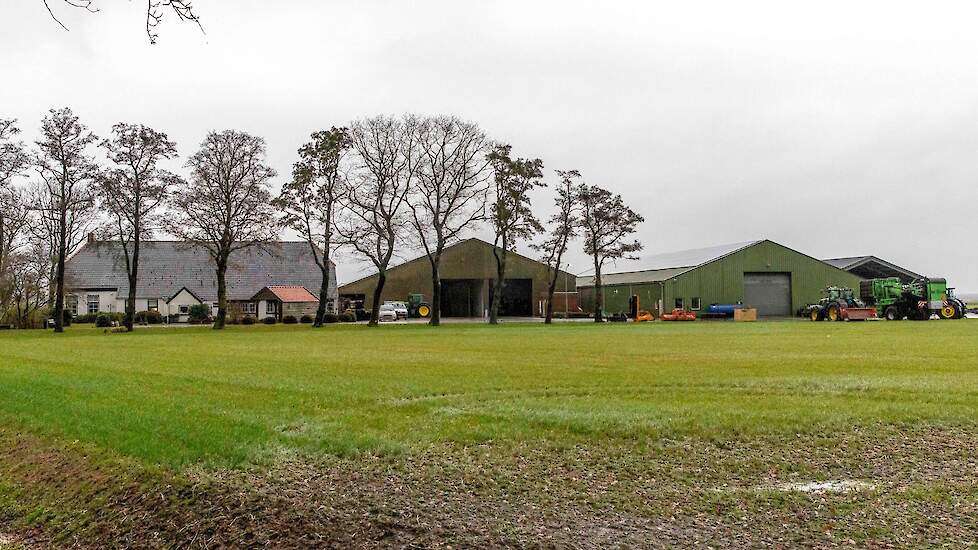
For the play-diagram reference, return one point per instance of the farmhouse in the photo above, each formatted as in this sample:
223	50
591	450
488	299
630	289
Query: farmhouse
173	276
468	270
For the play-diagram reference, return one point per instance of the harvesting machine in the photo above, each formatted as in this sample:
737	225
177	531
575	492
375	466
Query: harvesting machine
918	300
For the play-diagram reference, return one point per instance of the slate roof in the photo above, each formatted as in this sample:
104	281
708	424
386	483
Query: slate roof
167	266
291	294
661	267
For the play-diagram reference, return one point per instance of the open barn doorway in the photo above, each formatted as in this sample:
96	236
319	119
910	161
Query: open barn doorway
517	298
462	298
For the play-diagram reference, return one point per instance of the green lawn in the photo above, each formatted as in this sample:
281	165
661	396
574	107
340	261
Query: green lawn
182	396
479	436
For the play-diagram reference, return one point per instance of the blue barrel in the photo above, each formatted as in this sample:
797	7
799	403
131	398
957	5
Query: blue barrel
723	309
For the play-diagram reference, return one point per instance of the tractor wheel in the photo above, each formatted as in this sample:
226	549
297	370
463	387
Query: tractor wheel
892	314
962	309
833	312
816	314
424	311
949	311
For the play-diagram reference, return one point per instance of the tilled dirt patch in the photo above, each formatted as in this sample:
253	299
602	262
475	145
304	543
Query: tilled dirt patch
920	490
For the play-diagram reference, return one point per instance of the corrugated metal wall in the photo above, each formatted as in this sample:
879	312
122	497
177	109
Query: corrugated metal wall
722	281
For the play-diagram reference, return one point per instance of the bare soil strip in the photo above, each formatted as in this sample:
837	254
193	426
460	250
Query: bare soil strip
921	490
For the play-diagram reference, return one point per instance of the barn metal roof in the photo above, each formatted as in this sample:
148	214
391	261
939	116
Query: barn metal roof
167	266
871	267
661	267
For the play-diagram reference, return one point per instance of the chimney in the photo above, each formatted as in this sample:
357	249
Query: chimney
91	237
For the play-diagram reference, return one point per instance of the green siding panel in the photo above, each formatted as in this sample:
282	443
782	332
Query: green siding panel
721	281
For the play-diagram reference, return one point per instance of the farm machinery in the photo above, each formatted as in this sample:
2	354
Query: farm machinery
635	312
840	304
918	300
418	308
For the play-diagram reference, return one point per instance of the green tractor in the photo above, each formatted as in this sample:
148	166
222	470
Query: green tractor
839	304
918	300
418	308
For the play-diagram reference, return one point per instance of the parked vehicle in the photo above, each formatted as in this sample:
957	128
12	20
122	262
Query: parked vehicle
418	308
400	308
387	313
918	300
840	304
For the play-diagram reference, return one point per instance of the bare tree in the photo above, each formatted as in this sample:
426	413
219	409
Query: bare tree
13	161
65	202
13	156
511	214
133	192
607	224
226	205
451	191
14	220
28	276
378	200
155	10
310	201
563	227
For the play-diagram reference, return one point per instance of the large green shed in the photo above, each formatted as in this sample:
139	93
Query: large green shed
775	279
468	270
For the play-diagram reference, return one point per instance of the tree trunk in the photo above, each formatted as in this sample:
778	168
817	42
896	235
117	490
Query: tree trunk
598	294
222	293
551	289
59	298
133	279
497	289
323	296
435	291
378	292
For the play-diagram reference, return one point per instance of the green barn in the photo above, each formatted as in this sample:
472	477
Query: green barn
773	278
468	270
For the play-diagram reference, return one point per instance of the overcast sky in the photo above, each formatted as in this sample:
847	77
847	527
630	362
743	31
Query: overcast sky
843	128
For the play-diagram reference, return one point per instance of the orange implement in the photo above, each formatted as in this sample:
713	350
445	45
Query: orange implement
679	315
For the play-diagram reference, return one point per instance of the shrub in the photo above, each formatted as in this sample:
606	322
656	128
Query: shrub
331	318
85	318
247	320
103	320
149	317
269	320
289	320
199	312
306	319
233	320
348	317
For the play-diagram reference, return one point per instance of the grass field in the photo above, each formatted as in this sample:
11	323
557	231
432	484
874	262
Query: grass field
523	434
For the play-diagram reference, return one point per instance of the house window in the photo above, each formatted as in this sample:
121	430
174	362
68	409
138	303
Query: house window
249	307
93	303
153	305
270	307
184	309
72	304
695	304
679	303
216	305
